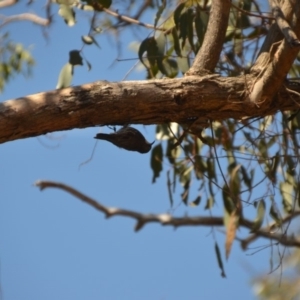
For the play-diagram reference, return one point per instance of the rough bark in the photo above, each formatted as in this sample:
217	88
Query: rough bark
182	100
209	53
277	62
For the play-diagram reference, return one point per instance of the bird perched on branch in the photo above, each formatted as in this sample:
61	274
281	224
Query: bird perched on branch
127	138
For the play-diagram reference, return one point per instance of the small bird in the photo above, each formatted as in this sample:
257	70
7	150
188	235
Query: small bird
127	138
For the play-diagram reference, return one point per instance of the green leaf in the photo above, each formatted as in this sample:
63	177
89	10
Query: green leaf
105	3
75	58
172	153
211	168
169	184
160	52
89	65
234	181
196	202
201	20
219	258
159	12
209	203
274	213
87	39
170	67
227	200
163	132
97	29
298	193
144	48
286	190
183	27
190	25
68	14
176	42
247	180
246	5
65	76
183	64
231	227
177	13
152	51
156	161
260	214
95	42
273	172
291	165
200	167
185	180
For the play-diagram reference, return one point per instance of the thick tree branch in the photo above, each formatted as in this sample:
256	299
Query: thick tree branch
166	219
6	3
280	59
209	53
181	100
274	35
283	25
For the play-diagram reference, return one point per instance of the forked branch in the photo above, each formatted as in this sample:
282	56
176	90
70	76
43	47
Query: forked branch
167	219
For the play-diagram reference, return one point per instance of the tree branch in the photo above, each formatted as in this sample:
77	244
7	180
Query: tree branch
179	100
261	16
268	232
209	53
6	3
280	59
165	219
25	17
130	20
283	25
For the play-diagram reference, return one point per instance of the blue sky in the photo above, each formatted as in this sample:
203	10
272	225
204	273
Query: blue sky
52	246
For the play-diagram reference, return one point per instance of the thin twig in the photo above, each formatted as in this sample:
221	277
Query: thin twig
130	20
251	14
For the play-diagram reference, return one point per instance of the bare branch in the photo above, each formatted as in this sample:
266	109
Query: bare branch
268	233
142	219
6	3
130	20
178	100
251	14
209	53
166	219
25	17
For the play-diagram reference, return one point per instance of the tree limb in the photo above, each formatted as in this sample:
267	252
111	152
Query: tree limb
179	100
25	17
6	3
209	53
130	20
280	59
166	219
283	25
251	14
269	229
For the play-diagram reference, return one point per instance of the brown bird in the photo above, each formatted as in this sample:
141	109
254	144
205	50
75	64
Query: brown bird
127	138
